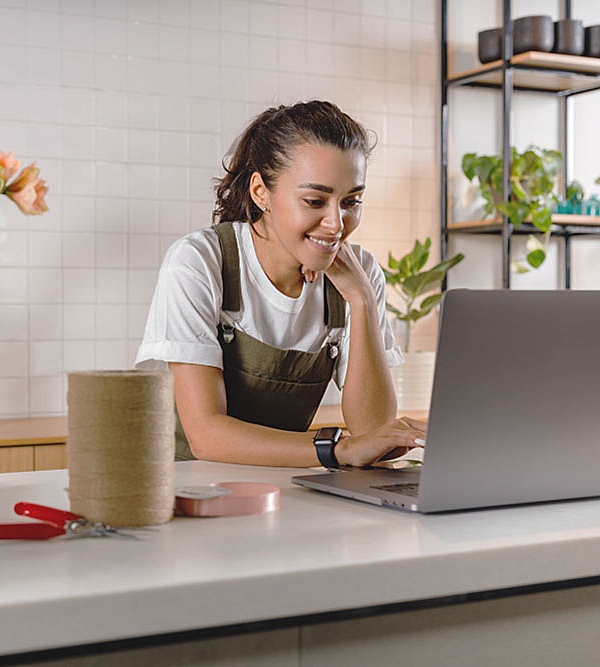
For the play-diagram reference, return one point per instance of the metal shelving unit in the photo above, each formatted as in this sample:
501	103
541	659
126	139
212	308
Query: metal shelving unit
552	73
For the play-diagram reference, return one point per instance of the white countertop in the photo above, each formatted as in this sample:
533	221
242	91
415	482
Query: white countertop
318	553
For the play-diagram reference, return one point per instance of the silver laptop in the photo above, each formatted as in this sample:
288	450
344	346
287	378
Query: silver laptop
515	407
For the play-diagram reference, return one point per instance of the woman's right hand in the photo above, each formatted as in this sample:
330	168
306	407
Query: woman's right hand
396	436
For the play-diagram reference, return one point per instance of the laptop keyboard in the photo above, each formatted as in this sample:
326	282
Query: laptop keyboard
406	489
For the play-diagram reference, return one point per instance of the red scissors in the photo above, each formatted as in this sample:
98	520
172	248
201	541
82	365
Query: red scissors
55	522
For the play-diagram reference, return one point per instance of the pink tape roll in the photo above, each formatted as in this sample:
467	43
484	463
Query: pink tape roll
241	498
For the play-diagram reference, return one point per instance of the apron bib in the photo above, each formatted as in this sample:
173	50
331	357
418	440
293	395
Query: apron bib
265	385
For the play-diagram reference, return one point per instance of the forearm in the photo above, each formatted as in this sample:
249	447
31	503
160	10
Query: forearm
230	440
368	397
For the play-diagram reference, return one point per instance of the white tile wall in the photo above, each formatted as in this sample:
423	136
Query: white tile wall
128	105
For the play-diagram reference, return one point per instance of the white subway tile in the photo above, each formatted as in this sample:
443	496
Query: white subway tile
399	130
111	285
77	177
347	5
78	142
205	15
111	108
174	12
165	244
292	55
172	77
322	4
263	89
200	215
205	47
320	25
141	283
143	251
14	25
111	321
14	397
143	146
111	250
77	32
110	36
143	216
111	355
264	52
46	395
43	104
372	63
264	19
174	42
346	29
173	148
235	83
372	31
78	285
45	285
143	10
292	23
173	218
14	360
320	58
173	182
43	29
205	115
136	322
78	7
45	249
398	66
78	355
424	10
77	68
423	132
79	321
78	213
142	39
374	7
143	180
46	357
77	249
235	50
16	61
110	71
203	149
400	9
234	16
44	140
13	322
13	248
77	106
111	179
204	81
111	144
173	112
111	214
111	8
398	35
45	322
142	111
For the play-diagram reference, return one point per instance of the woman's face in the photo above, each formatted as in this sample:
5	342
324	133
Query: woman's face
315	204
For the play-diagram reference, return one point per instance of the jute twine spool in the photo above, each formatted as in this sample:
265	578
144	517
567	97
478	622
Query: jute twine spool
121	446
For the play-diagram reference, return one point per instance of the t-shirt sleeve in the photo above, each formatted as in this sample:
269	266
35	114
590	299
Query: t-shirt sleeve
392	350
186	306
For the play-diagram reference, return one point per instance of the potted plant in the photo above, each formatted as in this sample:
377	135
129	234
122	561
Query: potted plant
532	177
413	284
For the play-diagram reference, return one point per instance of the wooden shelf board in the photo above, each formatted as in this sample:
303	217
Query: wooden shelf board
557	219
33	431
574	75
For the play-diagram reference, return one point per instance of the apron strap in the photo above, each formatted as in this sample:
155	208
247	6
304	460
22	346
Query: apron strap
335	306
231	266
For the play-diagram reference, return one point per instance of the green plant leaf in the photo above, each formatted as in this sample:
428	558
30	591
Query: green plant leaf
392	262
536	258
515	210
428	304
468	165
392	309
445	265
422	283
542	219
597	181
575	190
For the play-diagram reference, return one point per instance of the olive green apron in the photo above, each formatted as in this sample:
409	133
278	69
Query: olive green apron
265	385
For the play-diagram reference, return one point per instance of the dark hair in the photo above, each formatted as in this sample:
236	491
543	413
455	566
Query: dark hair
266	144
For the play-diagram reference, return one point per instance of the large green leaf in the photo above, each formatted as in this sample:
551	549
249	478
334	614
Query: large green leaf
536	258
446	264
422	283
428	304
542	219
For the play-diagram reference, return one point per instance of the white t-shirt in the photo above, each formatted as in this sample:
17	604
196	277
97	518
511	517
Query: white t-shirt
186	307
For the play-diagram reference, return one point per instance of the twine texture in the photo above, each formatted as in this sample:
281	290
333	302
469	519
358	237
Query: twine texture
121	446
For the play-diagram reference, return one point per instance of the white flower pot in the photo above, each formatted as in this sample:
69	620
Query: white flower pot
414	380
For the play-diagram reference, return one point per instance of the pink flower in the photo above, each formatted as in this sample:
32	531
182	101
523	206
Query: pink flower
9	166
28	191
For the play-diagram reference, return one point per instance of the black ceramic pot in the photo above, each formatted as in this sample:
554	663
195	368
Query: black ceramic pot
592	41
533	33
568	37
489	45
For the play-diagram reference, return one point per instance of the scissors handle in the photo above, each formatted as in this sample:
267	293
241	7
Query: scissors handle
51	515
29	531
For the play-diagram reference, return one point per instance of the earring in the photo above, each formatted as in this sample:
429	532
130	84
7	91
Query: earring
263	209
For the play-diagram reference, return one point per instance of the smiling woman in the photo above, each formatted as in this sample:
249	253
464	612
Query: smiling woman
257	313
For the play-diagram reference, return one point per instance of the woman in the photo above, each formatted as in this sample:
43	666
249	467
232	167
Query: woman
257	313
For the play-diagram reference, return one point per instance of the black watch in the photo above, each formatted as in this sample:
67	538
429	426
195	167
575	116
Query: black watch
325	440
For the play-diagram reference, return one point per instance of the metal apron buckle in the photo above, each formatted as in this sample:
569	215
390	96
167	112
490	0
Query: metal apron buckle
228	333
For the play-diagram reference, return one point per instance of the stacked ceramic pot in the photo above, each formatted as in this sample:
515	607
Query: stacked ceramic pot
540	33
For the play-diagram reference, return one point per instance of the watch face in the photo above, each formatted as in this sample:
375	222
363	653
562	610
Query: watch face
327	433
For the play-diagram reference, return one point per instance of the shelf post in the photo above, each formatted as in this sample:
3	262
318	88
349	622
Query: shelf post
507	92
443	136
